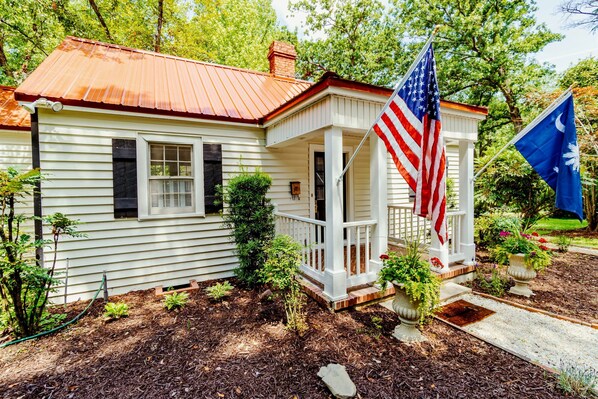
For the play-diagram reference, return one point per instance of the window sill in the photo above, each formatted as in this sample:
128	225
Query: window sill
171	216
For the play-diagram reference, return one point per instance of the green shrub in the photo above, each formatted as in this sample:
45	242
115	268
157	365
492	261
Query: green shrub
563	242
578	381
219	291
489	226
176	300
116	310
410	270
280	273
250	217
24	283
496	285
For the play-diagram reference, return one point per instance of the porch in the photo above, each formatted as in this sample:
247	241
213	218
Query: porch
344	225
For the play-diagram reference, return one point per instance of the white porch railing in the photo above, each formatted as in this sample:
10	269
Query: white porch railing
404	227
310	234
357	252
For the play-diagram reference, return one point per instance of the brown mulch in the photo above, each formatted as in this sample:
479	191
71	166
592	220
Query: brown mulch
240	349
568	287
463	313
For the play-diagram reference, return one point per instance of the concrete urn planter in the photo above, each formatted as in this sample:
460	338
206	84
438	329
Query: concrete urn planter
522	274
406	308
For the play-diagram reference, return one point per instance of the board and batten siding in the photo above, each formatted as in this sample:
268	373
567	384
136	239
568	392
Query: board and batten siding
76	156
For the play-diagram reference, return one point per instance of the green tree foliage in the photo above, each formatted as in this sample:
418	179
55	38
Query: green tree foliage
24	284
583	74
230	32
484	51
357	39
250	217
512	184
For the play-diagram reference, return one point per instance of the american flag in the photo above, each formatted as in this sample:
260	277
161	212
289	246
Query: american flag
411	129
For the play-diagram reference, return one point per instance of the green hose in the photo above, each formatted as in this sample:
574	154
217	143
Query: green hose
41	334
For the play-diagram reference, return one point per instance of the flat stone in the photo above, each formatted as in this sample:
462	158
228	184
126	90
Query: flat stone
450	292
338	381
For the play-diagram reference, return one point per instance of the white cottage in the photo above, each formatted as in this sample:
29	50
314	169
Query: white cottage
142	139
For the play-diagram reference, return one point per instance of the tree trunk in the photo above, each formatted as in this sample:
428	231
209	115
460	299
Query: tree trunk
159	30
96	10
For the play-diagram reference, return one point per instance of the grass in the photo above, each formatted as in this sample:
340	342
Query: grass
548	225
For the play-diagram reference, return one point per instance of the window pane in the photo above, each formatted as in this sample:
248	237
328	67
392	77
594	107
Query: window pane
184	169
188	201
171	193
157	169
171	153
156	152
170	169
185	154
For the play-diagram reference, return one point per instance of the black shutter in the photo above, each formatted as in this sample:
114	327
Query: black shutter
124	174
212	170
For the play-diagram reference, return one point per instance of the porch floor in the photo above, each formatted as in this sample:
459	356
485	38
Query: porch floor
370	294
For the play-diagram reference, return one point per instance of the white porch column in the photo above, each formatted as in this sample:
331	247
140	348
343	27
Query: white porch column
335	276
466	183
378	200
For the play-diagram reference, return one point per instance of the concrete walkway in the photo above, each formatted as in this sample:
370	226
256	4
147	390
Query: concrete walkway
549	341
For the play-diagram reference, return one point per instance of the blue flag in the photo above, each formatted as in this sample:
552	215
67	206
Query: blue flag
551	148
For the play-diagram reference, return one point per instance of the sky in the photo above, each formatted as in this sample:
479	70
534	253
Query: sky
578	43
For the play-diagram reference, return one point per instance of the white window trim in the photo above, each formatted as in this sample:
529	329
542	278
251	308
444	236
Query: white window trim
143	195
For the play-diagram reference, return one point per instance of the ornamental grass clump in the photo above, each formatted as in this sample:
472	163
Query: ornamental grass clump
414	275
536	256
280	273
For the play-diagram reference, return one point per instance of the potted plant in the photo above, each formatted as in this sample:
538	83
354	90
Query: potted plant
417	290
524	257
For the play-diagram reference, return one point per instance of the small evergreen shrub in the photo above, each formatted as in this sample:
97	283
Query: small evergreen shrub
219	291
116	310
279	272
250	217
176	300
563	242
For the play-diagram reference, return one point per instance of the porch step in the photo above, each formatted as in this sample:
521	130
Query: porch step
450	292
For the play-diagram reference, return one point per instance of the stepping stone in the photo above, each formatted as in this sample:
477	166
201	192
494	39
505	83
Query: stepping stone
450	292
338	381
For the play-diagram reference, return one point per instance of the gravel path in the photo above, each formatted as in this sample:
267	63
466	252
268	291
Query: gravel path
544	339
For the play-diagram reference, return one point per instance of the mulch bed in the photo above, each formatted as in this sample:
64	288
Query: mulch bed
568	287
241	349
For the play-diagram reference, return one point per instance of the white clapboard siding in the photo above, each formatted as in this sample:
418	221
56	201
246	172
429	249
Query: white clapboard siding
15	151
76	154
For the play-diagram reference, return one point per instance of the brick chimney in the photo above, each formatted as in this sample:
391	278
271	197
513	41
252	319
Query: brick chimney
282	59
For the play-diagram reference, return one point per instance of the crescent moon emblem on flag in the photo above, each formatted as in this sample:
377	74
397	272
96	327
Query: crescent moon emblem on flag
558	124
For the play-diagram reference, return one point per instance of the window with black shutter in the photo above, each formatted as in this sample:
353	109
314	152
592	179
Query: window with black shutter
124	173
212	169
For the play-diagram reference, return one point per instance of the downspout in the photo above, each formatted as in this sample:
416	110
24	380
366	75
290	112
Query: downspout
37	192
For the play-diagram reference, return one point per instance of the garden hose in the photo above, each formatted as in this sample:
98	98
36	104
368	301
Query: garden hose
41	334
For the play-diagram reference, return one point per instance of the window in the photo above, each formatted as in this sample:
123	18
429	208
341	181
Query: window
171	178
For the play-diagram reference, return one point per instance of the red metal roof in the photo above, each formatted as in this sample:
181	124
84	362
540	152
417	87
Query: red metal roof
12	115
95	74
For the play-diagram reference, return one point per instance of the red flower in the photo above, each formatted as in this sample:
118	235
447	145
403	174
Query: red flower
535	234
384	257
543	247
542	240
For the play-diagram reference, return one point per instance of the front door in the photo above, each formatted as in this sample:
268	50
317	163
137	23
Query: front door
320	187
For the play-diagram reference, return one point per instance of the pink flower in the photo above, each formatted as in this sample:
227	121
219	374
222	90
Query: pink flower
504	234
384	257
542	240
526	236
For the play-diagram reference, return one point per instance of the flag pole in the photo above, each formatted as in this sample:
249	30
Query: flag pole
526	130
397	88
